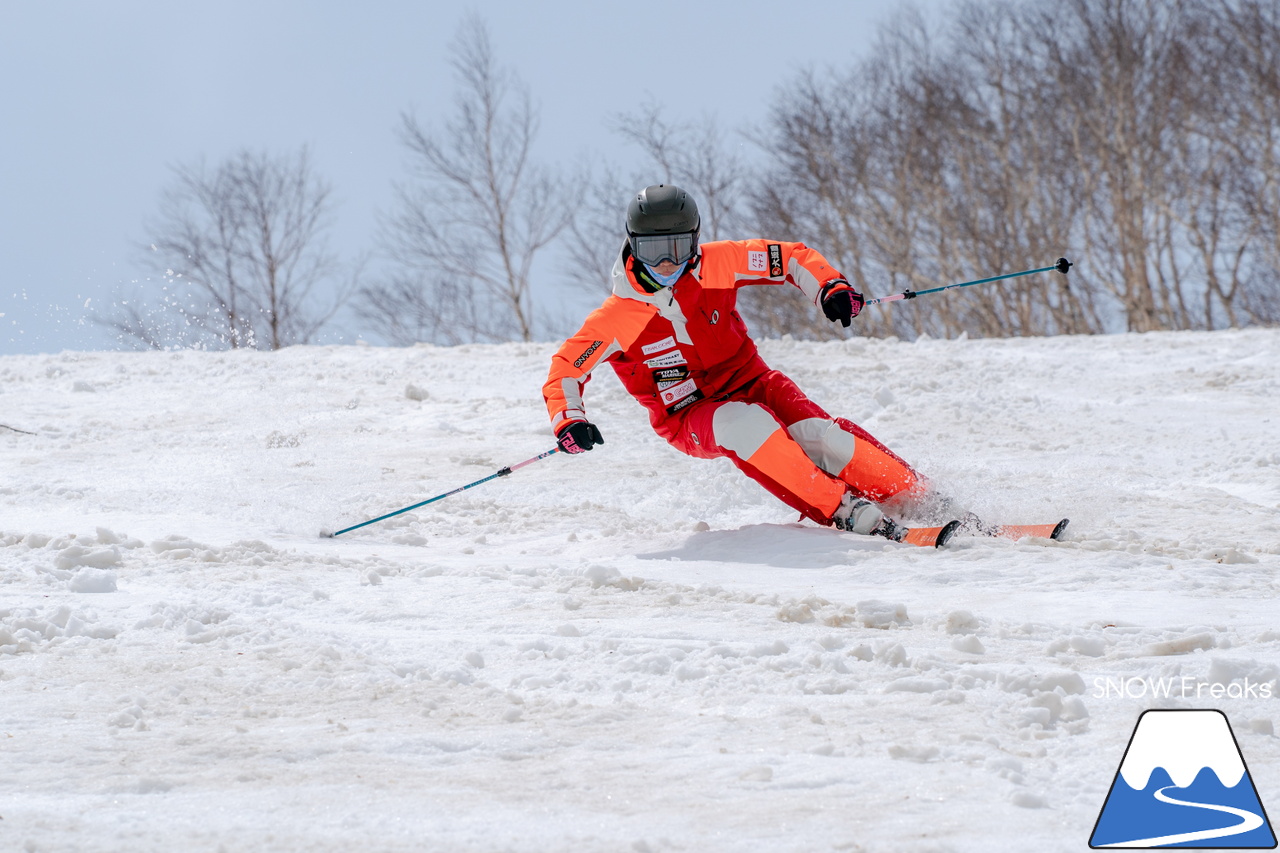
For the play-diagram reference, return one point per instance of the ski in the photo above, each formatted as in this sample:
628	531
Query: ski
1054	530
1044	531
927	536
922	536
939	537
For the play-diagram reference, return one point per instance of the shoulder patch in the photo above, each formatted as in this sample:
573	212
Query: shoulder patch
775	260
756	262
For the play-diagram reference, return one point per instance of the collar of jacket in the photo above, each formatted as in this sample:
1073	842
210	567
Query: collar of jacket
627	283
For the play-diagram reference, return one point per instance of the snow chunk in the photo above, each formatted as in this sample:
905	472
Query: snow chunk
175	544
108	537
1229	556
413	392
757	774
1181	646
1093	647
75	556
1028	800
92	580
968	644
777	647
918	754
600	576
915	684
961	622
882	614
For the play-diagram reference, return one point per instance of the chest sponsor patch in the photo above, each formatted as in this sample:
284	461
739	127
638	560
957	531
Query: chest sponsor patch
775	260
667	376
670	359
678	392
756	262
687	401
661	346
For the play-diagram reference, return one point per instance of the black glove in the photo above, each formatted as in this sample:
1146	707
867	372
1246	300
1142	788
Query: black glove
578	437
840	301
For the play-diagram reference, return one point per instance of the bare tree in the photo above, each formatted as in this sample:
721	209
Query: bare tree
468	229
694	156
598	230
240	259
1138	137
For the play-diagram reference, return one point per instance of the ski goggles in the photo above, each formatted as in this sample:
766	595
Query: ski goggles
653	249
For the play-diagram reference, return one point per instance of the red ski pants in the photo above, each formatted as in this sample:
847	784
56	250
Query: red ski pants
785	442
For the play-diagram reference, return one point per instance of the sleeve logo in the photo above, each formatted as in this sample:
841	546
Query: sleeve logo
586	355
775	260
756	262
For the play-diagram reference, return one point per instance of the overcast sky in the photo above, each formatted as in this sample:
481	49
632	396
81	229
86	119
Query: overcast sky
99	100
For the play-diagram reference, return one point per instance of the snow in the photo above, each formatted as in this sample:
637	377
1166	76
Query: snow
629	649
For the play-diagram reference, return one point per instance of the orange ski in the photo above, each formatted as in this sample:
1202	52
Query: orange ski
1043	531
940	536
930	536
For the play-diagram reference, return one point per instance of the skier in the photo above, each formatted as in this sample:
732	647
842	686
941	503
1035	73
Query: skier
671	332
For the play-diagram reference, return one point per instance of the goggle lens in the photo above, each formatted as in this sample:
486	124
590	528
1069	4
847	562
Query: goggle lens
653	249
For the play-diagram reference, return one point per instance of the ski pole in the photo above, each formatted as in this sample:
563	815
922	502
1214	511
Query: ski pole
502	473
1061	266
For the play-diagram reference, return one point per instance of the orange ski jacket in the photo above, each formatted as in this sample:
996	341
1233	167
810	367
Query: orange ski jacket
684	343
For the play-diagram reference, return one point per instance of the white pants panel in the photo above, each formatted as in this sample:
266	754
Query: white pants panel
743	427
822	440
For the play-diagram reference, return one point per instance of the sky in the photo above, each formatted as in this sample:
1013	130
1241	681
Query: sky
99	101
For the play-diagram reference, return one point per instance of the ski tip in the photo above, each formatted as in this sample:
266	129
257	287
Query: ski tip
944	535
1059	529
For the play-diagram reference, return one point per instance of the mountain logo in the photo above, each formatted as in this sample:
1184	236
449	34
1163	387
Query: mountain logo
1183	783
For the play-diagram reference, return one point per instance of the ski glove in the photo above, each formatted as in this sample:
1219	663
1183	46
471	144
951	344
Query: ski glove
840	301
578	437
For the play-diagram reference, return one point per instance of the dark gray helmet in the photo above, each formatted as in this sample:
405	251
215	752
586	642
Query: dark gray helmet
663	211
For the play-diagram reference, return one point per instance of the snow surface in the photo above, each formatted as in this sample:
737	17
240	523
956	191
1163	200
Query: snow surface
628	650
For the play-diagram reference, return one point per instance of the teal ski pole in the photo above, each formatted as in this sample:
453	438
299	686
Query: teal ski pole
502	473
1061	266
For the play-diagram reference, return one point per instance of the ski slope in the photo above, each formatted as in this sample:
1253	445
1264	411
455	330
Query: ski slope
628	650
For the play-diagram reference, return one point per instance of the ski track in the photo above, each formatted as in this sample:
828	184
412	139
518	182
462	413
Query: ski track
628	650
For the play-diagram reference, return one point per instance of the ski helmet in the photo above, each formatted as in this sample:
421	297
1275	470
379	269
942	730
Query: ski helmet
662	224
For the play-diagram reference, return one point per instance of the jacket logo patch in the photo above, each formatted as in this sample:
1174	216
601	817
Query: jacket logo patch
687	401
715	317
664	344
670	359
775	260
679	392
668	376
756	262
586	355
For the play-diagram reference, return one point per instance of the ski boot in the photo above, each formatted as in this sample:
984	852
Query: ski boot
858	515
